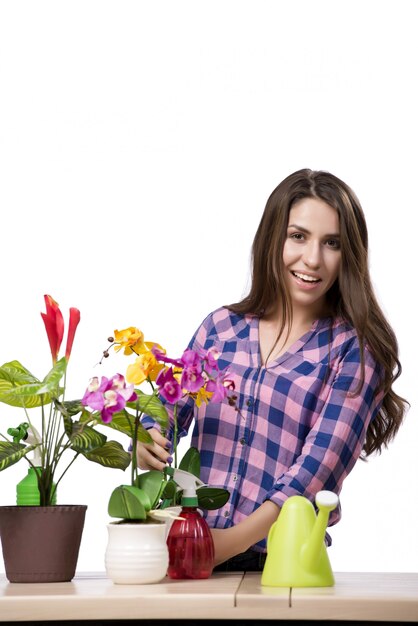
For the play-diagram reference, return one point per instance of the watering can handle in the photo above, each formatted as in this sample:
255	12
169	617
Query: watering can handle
270	534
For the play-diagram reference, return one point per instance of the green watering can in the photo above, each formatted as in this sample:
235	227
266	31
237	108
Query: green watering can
296	551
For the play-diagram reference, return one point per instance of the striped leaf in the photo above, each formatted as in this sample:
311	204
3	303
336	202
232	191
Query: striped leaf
19	388
111	454
26	396
72	407
85	439
16	373
52	379
124	422
69	409
151	405
11	453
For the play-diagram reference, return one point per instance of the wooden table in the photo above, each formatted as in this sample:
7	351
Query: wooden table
384	597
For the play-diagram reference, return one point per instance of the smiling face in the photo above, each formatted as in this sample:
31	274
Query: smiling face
311	255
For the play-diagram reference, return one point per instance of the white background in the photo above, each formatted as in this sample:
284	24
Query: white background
139	142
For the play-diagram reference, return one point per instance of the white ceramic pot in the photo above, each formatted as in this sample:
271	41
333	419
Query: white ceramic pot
136	554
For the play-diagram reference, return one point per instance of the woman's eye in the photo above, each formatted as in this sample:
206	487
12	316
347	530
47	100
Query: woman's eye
296	236
333	243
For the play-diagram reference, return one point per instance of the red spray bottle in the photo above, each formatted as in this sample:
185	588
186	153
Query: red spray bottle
190	543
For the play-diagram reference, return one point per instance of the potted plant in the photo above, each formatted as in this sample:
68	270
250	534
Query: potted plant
55	432
137	551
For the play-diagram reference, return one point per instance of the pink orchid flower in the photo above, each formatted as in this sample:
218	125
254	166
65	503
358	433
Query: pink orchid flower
210	358
163	358
168	386
108	396
191	379
220	387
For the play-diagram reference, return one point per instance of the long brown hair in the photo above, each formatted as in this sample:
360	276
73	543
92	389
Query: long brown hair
351	297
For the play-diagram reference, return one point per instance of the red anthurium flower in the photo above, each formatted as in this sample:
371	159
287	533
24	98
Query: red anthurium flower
54	325
74	321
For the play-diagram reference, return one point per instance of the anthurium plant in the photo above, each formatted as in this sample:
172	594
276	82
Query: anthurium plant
56	430
121	404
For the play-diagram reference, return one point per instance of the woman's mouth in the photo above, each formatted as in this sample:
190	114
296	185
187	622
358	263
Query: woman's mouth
305	280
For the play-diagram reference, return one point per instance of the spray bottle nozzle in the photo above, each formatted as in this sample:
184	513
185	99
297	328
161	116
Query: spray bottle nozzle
19	433
188	482
29	435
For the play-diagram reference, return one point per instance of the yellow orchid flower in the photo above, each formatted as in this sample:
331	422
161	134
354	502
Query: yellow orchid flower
177	372
203	396
145	366
131	340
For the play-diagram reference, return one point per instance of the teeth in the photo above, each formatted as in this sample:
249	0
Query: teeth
305	277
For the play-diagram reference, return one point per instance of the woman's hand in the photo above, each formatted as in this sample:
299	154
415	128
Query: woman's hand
227	543
153	456
231	541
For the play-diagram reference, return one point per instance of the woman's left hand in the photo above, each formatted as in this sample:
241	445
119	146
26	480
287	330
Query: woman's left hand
227	543
231	541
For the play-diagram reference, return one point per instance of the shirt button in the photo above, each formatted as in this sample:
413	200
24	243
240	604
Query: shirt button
226	514
242	441
235	478
249	403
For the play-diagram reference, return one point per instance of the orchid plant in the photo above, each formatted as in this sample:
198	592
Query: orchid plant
61	437
195	374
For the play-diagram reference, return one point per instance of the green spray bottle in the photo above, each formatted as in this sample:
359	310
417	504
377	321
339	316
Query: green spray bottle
27	491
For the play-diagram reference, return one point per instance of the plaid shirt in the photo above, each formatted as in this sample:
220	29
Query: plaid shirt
297	427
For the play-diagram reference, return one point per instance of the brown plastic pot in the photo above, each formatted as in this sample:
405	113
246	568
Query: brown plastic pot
41	543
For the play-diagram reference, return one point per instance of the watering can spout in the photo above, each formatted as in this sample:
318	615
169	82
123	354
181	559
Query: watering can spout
326	501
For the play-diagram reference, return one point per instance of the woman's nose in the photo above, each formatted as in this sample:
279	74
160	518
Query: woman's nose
312	255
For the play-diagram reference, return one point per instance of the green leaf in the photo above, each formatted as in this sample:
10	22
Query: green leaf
191	462
124	422
152	406
169	490
11	453
111	454
18	387
16	373
152	483
210	498
73	427
52	379
73	407
127	502
143	435
26	396
84	438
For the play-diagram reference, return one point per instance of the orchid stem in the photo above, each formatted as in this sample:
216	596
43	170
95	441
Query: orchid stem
175	435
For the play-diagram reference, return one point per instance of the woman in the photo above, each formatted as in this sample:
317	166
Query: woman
313	360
